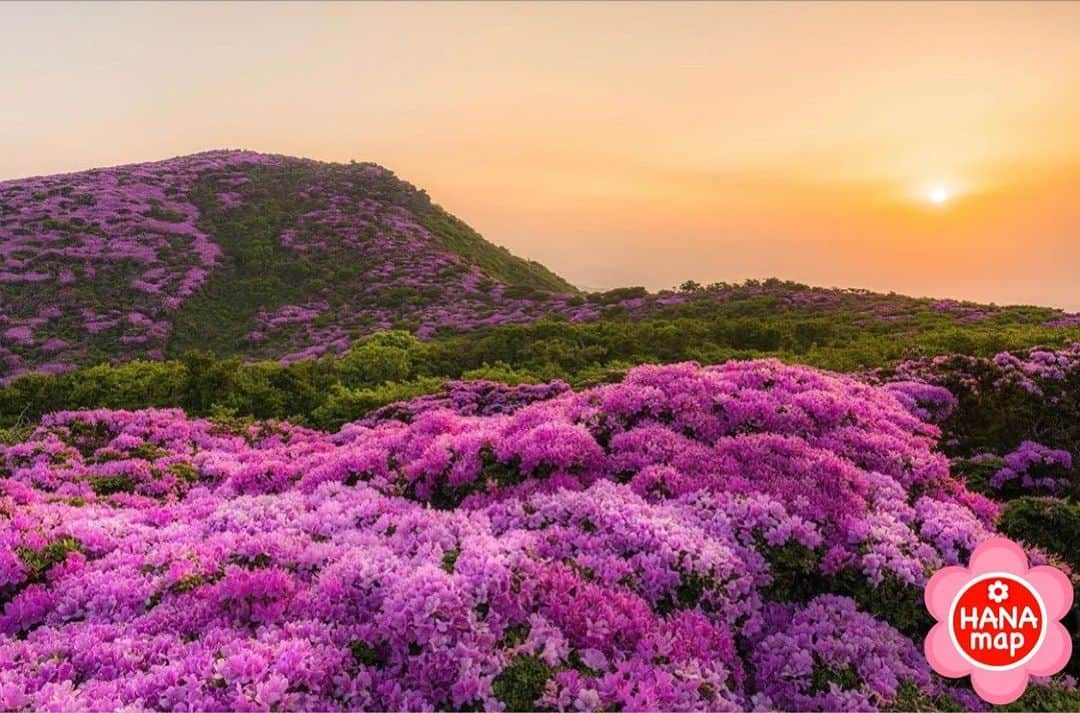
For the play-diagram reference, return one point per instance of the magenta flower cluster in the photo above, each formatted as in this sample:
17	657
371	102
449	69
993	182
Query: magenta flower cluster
613	548
1044	377
1036	467
1030	370
926	401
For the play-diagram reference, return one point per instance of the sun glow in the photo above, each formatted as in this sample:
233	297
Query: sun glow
939	195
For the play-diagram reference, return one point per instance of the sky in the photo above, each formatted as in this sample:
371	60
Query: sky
619	144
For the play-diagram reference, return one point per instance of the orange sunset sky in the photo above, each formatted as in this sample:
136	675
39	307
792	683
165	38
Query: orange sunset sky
930	149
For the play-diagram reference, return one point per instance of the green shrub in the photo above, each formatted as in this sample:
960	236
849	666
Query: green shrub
521	683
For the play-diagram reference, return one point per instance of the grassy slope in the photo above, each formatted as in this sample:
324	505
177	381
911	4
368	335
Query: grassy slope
496	260
256	271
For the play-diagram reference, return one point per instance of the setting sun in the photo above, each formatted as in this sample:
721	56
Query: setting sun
939	195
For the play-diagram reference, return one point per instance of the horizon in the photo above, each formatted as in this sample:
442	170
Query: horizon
925	150
584	288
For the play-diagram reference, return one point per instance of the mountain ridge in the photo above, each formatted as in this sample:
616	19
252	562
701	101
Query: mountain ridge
267	256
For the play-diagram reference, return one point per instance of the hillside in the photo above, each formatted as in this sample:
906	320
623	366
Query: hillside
272	257
243	253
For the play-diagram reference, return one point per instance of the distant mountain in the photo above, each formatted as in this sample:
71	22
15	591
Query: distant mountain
270	256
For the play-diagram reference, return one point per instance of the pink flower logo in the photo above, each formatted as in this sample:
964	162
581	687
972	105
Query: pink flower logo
998	620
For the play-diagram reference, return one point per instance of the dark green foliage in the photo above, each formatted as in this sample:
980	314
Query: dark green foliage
822	678
39	561
185	472
367	655
147	451
617	295
495	260
890	600
515	635
1049	523
110	484
1045	698
977	475
521	683
909	698
392	366
449	559
158	213
256	270
493	470
797	577
88	437
187	583
995	415
692	586
259	561
795	571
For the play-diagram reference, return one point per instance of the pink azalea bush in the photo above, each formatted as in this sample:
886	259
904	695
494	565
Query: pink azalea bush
689	538
1012	420
1035	467
1031	370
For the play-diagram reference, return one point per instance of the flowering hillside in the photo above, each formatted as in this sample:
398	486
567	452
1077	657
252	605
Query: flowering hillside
105	263
752	535
272	257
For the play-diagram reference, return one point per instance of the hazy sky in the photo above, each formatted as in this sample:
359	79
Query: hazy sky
616	143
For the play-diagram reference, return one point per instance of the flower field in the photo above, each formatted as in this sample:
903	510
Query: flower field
752	535
283	435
